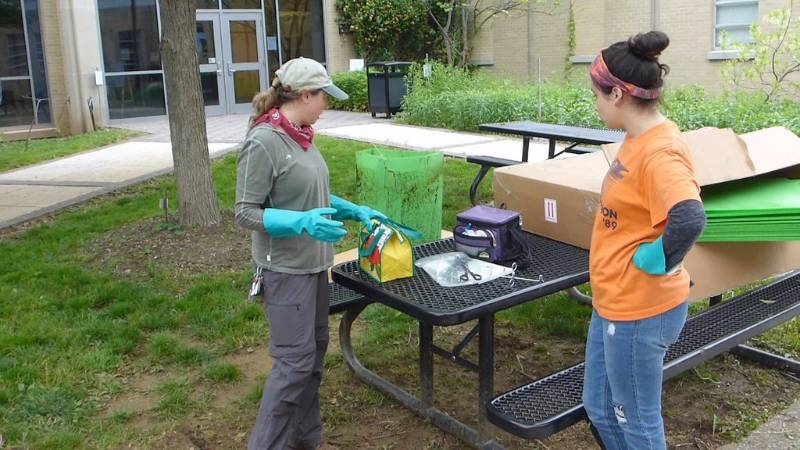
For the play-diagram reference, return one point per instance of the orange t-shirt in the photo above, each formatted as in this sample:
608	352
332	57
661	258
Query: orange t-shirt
652	172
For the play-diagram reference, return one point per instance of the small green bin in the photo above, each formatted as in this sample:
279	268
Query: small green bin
404	185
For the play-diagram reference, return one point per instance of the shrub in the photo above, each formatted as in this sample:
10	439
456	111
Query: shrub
461	100
355	84
382	30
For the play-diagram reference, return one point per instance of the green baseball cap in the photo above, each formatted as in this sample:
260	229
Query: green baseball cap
304	74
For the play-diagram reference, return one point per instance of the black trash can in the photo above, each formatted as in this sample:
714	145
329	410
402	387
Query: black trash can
386	86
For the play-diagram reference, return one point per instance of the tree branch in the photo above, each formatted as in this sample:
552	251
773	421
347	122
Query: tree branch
780	43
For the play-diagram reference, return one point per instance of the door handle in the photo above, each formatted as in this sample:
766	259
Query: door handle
231	71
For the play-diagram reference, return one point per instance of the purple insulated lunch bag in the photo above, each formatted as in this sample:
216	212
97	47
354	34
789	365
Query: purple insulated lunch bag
488	233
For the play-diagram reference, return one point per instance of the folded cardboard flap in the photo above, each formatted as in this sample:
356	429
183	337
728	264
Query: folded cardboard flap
718	155
558	199
772	149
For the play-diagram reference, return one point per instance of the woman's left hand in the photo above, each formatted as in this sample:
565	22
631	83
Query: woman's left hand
649	257
349	210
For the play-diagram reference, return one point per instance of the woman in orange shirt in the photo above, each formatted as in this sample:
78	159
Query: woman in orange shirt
649	217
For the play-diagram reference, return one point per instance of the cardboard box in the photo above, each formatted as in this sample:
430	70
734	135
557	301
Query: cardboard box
558	199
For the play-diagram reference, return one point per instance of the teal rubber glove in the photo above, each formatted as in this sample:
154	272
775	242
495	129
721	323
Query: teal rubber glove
649	257
285	223
346	210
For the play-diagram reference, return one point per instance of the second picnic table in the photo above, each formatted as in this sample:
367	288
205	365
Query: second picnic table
567	133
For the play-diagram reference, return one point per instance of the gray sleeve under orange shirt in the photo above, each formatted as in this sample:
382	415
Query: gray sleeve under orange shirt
685	223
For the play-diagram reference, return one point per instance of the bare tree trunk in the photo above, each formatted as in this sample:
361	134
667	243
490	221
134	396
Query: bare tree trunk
444	30
197	200
465	36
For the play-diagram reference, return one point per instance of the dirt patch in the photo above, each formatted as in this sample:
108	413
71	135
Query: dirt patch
136	251
252	366
139	395
184	438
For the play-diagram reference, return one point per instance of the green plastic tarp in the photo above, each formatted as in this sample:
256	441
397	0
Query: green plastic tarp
756	209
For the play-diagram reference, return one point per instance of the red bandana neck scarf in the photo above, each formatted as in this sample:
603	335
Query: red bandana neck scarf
302	134
603	77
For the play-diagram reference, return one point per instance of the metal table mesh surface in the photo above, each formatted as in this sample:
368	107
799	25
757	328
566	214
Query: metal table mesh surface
562	391
551	259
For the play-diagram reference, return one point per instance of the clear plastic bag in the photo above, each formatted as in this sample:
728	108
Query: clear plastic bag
458	269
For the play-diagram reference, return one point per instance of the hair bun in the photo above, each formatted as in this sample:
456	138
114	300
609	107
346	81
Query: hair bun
648	45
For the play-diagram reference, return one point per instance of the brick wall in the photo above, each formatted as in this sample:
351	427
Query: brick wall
690	26
599	23
338	47
548	43
510	45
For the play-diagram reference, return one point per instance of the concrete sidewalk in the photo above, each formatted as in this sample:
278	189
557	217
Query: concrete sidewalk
33	191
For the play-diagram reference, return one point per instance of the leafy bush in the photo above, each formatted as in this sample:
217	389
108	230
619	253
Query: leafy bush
383	30
461	100
355	84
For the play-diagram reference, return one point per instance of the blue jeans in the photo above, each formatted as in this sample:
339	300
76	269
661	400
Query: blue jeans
623	377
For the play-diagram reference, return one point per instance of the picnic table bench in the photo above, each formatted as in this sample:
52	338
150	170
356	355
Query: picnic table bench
546	406
341	299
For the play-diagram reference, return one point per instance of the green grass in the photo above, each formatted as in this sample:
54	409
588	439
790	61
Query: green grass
14	155
168	349
176	398
64	323
555	315
222	372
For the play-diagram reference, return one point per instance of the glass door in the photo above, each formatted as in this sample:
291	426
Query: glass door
245	66
211	60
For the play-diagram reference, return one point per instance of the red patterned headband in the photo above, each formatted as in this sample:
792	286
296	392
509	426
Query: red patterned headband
603	77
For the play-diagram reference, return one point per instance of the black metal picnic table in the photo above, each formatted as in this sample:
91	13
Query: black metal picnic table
554	266
577	135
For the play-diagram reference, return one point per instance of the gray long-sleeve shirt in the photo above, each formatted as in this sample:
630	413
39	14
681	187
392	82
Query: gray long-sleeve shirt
273	171
685	223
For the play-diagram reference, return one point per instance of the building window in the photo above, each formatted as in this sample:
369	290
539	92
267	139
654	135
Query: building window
41	102
301	29
135	95
271	29
131	58
129	30
23	87
732	20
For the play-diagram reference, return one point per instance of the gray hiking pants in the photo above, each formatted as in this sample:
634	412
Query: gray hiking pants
297	311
